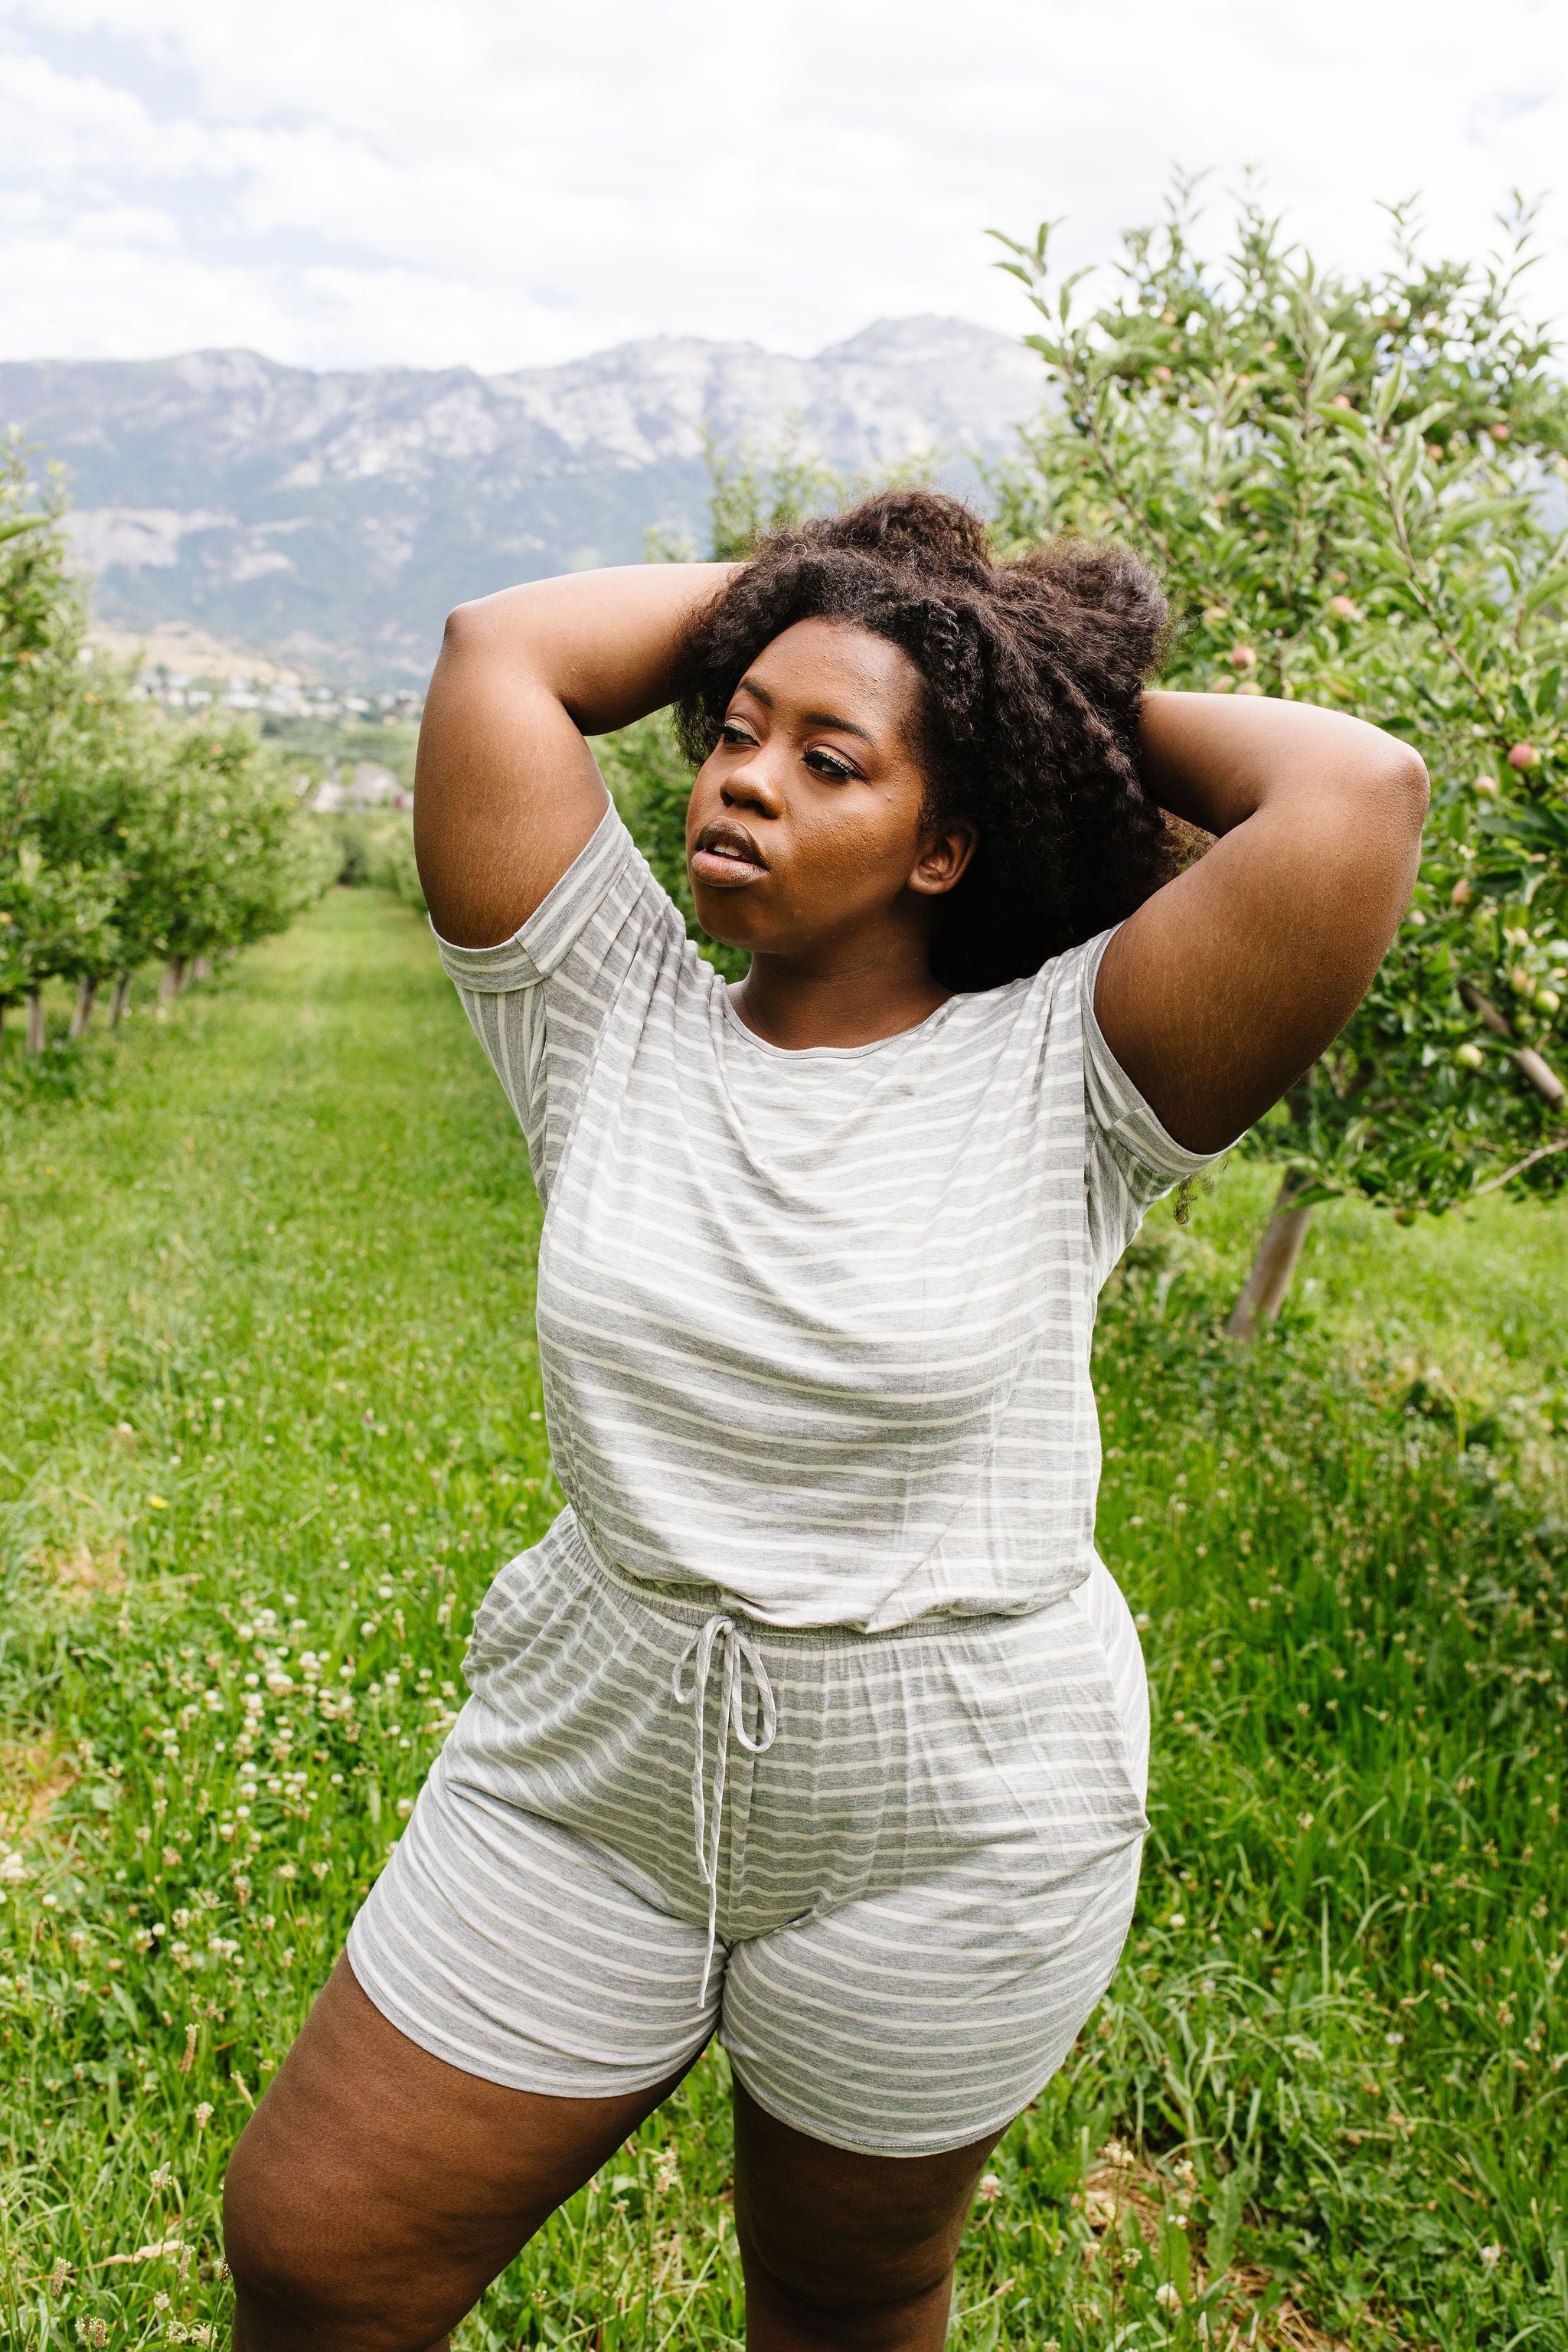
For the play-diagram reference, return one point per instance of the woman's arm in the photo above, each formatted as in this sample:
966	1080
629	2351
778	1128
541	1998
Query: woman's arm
1228	983
506	792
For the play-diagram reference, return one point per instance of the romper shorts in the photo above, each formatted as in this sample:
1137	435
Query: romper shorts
893	1871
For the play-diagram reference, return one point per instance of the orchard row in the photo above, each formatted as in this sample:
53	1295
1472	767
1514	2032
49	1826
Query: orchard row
126	836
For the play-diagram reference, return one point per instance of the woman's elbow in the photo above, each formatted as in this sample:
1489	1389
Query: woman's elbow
1394	783
1411	785
468	626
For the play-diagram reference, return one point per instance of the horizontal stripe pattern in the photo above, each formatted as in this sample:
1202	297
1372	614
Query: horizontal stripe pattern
924	1883
814	1326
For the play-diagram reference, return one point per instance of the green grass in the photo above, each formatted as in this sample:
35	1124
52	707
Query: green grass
270	1423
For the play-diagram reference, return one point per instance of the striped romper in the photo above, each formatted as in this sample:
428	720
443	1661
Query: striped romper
815	1719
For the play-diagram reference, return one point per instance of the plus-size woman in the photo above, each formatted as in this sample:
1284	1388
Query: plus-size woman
815	1720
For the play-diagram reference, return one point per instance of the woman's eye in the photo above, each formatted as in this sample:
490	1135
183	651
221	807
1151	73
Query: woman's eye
828	763
734	731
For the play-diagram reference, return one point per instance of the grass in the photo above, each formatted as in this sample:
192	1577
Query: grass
270	1423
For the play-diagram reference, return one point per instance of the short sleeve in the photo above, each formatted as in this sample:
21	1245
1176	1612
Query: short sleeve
540	1003
1129	1158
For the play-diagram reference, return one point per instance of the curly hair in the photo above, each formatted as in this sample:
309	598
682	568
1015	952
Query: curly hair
1033	673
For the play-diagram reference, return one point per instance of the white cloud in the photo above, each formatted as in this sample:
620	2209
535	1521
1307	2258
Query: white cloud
480	181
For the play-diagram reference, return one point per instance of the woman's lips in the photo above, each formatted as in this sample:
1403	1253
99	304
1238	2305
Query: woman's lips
725	856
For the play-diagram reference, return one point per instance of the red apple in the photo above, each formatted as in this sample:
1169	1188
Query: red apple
1523	755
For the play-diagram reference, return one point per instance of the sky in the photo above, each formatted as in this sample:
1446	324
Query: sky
501	183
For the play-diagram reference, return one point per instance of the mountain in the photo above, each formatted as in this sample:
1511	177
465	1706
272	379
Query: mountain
334	518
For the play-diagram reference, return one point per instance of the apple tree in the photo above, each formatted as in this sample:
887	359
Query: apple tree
124	835
1354	492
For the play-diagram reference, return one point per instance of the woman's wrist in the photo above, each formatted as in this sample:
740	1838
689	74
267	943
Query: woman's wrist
603	643
1198	766
1214	759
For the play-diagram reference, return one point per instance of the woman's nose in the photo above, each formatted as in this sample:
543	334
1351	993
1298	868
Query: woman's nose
752	787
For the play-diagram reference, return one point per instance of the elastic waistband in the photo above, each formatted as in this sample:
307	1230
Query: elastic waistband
694	1604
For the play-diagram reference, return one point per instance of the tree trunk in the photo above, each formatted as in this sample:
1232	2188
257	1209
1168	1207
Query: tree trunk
36	1036
81	1012
170	980
200	968
1263	1293
120	1002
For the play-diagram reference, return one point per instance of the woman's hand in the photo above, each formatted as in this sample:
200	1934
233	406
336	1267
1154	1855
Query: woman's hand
506	792
1228	983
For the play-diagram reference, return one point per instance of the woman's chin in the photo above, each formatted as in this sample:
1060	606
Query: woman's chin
722	915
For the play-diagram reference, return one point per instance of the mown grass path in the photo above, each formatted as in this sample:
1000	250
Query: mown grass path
270	1423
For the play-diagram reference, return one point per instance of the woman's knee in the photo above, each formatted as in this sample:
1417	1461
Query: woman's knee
286	2281
300	2279
845	2280
794	2295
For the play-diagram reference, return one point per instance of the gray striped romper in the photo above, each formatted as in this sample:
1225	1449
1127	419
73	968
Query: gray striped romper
815	1719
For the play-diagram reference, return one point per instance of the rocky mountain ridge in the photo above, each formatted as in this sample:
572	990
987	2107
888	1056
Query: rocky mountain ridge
334	518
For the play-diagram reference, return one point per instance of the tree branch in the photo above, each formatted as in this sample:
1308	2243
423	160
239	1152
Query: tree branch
1526	1060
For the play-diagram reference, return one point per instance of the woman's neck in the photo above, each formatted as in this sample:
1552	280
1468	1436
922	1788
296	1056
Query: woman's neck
853	994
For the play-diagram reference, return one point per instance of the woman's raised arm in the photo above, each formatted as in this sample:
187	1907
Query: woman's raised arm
1228	983
506	792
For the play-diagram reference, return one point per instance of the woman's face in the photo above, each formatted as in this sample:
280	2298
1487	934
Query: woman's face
805	822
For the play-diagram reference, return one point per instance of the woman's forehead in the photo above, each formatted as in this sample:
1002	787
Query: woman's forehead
832	669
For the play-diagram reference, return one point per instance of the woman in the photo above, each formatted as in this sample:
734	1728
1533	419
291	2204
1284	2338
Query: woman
815	1720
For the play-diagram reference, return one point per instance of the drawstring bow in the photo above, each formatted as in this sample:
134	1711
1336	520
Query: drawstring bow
707	1811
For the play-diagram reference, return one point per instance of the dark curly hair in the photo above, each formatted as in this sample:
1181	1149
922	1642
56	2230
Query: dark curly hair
1033	675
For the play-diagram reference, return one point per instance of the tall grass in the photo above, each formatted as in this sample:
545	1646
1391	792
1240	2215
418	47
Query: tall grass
271	1420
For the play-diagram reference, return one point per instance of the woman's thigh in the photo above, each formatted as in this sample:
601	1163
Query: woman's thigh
377	2190
832	2239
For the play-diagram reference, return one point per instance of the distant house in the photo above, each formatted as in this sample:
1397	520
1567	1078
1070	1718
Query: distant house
365	785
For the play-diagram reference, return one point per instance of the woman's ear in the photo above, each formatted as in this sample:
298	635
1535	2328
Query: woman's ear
943	859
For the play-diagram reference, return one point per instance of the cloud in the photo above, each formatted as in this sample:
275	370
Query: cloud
496	184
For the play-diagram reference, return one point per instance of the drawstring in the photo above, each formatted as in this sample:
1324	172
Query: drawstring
708	1815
